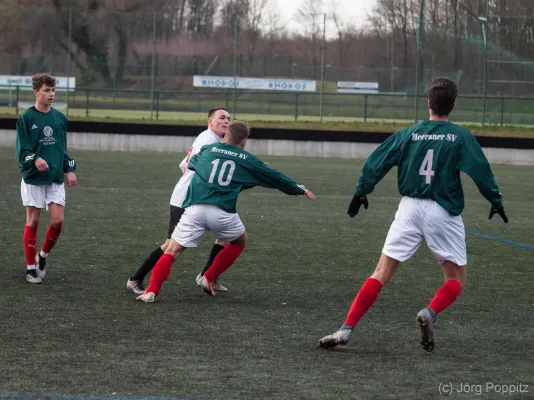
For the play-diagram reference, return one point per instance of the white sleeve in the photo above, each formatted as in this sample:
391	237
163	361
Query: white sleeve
203	139
185	161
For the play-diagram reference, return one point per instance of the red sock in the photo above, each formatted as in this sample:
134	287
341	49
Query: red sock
223	261
363	301
445	296
160	273
52	235
30	244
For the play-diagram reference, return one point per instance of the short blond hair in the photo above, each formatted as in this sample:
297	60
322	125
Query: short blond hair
237	131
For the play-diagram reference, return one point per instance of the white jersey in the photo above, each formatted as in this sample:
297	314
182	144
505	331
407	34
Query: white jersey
180	190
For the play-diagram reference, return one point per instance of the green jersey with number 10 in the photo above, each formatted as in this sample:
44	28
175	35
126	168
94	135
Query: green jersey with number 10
430	156
222	171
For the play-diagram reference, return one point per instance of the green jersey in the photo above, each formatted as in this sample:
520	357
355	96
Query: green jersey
43	135
222	171
429	156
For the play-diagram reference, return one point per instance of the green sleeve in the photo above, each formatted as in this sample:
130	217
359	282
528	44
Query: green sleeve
475	164
23	147
69	165
385	157
273	179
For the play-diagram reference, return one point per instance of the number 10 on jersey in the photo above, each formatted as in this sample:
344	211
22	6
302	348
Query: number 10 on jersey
426	167
228	164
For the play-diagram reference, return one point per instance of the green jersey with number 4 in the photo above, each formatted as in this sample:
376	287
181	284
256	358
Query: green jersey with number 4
222	171
430	156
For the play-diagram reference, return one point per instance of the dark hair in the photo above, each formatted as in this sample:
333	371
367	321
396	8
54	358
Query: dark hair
237	131
214	110
442	94
43	79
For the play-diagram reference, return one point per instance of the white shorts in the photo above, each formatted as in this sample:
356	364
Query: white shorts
199	218
41	196
422	219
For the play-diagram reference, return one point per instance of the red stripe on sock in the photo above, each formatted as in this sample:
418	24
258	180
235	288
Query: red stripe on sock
52	235
160	273
223	261
363	301
445	296
30	244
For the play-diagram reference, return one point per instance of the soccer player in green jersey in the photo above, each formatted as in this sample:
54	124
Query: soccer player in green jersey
218	120
430	156
222	171
45	165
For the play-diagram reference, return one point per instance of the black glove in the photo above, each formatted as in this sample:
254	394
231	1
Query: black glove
499	210
355	204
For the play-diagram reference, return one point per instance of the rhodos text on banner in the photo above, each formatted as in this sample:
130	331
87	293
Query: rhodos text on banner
224	82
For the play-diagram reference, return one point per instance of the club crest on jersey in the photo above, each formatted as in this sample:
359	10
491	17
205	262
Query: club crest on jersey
48	131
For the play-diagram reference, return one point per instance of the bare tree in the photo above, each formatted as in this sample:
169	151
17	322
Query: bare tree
201	18
310	16
344	30
10	36
255	24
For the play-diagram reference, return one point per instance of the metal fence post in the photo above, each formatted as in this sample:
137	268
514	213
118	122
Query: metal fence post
485	33
296	106
419	29
502	111
157	106
365	108
235	66
17	102
86	103
322	69
68	60
153	64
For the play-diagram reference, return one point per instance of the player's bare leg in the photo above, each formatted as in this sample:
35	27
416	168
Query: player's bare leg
365	298
161	271
221	263
33	214
455	279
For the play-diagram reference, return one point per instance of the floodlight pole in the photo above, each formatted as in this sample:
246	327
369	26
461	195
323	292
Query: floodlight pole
485	78
235	67
68	61
153	65
322	68
484	24
419	30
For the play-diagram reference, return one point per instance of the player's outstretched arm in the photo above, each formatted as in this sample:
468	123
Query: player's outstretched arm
271	178
379	162
377	165
475	164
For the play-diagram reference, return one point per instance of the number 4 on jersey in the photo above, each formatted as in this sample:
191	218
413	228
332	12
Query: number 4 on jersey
426	167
